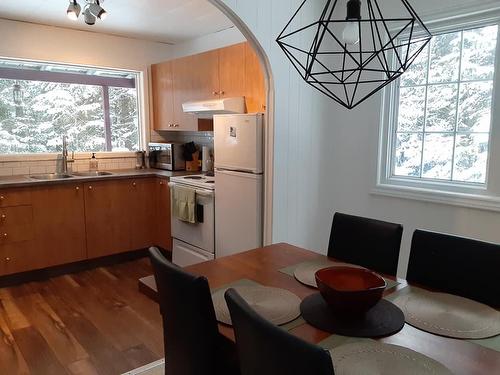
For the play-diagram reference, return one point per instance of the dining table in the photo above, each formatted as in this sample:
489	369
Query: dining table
263	266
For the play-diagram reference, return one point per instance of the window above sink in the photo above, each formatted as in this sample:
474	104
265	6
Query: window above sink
39	102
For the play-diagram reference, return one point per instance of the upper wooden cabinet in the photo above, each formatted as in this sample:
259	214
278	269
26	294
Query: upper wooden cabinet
163	99
231	71
221	73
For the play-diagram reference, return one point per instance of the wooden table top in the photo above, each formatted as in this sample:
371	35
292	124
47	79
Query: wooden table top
263	265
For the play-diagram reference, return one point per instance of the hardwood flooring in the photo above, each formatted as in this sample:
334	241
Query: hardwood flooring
92	322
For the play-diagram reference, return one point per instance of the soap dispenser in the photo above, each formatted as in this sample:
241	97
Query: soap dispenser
94	164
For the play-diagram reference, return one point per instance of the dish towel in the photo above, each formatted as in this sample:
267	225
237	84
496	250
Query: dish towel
184	204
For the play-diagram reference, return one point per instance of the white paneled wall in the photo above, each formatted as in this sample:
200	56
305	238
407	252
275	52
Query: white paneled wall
325	156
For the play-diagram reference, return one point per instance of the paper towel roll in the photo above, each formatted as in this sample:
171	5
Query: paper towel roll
205	155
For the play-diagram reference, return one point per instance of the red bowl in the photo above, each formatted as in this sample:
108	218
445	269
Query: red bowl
349	290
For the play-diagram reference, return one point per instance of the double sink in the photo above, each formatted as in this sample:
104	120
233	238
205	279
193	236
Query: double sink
58	176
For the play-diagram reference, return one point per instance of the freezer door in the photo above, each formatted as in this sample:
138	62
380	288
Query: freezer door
238	142
238	212
184	254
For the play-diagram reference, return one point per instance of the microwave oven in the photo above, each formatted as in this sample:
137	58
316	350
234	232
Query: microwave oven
168	156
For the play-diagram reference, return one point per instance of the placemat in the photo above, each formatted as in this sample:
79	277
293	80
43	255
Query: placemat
304	271
376	359
383	319
448	315
279	306
490	343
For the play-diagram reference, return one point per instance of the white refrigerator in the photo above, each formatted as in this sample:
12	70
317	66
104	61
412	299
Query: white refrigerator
238	148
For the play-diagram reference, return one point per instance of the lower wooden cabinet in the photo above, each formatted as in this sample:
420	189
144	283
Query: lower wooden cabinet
163	233
143	218
59	224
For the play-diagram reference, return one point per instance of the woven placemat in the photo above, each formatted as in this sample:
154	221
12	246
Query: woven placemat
447	315
376	359
304	272
279	306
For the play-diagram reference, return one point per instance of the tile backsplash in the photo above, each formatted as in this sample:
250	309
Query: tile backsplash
50	163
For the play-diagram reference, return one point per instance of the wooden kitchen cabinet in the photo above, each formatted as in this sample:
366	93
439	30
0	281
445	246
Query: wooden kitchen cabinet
59	224
205	75
255	87
108	212
163	98
231	71
143	213
182	71
163	232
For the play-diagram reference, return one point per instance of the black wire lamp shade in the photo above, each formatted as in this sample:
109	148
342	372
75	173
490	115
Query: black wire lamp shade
350	49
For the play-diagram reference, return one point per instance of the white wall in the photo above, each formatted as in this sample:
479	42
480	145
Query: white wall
47	43
208	42
326	157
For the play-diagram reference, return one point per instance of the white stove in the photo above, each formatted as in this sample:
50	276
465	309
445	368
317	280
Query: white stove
197	180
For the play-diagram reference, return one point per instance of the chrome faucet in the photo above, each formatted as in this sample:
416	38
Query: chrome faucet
65	159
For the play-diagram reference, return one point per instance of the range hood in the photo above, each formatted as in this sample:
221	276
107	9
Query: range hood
209	108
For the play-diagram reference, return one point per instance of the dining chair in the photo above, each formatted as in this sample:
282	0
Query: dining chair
456	265
370	243
193	344
266	349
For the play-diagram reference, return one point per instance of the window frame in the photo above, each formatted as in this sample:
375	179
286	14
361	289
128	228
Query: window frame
467	194
105	82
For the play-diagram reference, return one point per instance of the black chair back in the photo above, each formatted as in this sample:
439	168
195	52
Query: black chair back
370	243
456	265
265	349
193	345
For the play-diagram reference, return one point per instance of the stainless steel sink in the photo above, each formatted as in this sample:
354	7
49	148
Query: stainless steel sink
92	173
50	176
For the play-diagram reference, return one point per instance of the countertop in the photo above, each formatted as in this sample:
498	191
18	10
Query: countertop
27	181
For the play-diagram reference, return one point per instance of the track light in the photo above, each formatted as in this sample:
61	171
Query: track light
92	10
73	10
96	9
88	17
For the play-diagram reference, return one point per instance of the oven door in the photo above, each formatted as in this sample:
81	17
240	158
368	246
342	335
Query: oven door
202	233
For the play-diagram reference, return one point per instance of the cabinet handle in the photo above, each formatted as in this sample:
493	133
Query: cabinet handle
3	216
215	93
222	92
77	188
5	235
170	125
7	259
2	197
134	184
176	125
90	187
161	182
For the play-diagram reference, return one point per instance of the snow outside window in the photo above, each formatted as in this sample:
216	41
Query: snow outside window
443	123
39	103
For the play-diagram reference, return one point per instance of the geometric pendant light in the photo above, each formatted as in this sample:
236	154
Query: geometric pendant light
351	49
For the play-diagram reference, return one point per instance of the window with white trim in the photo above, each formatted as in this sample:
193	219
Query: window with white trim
97	109
439	117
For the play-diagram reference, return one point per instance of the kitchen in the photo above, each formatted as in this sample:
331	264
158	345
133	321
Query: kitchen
160	159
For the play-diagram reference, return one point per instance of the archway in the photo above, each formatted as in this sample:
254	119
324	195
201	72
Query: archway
269	117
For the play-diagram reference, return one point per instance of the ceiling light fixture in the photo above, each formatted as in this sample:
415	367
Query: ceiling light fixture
350	58
91	11
73	10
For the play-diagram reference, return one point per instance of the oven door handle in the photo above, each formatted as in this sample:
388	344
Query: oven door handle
199	192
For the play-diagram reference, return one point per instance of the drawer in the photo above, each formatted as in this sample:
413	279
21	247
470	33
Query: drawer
16	216
19	257
15	233
17	197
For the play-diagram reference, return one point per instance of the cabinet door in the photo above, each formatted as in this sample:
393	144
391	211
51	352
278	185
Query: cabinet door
205	73
143	213
163	99
108	216
59	222
231	71
163	235
182	72
255	88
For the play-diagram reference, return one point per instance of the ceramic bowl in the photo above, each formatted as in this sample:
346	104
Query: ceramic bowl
349	290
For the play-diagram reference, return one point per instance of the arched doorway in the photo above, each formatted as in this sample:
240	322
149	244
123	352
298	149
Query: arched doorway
269	117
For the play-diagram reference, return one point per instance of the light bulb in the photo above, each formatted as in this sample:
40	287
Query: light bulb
350	35
73	10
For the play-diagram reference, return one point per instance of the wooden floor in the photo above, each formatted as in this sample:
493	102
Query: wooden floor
93	322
